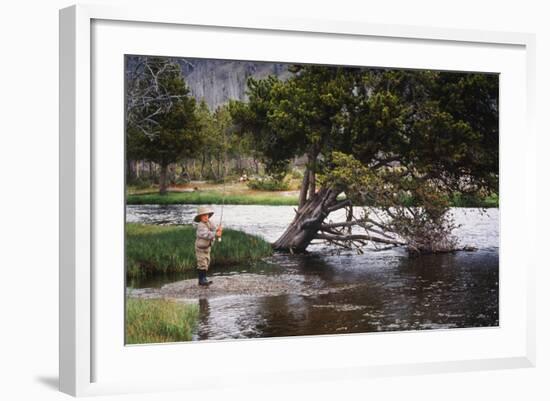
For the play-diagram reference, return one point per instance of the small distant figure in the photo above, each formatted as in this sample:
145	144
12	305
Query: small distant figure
243	178
206	233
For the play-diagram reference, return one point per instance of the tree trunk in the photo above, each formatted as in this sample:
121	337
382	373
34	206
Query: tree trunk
203	161
130	170
239	164
303	189
213	170
151	172
311	183
307	222
162	179
312	167
184	175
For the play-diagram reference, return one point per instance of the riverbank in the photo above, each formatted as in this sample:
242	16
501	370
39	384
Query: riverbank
244	284
158	321
240	194
286	198
214	198
152	250
202	192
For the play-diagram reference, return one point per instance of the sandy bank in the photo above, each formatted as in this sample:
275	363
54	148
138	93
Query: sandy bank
241	285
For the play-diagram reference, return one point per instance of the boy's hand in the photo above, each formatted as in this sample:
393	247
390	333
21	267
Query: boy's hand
219	231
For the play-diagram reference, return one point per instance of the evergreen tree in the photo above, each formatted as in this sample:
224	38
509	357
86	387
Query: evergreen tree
161	121
417	137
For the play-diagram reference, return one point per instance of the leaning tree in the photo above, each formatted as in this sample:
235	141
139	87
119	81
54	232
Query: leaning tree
161	121
395	145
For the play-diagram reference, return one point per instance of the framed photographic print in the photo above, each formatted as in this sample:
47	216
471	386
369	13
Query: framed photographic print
294	200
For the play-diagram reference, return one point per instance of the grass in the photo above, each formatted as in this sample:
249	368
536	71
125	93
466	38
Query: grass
238	193
157	321
460	200
152	250
273	199
212	198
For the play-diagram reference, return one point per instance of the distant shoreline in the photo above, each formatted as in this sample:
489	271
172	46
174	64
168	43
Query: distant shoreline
274	198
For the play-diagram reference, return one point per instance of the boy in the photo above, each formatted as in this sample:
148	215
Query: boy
206	233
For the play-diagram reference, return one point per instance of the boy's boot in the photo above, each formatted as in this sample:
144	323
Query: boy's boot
206	281
202	278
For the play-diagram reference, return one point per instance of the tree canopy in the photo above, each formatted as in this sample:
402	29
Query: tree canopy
424	134
444	124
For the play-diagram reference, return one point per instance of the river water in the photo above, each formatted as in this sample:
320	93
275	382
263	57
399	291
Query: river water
331	293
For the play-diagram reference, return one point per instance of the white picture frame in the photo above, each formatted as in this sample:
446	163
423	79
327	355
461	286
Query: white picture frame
90	366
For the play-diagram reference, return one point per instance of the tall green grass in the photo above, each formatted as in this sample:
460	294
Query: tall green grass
157	321
154	249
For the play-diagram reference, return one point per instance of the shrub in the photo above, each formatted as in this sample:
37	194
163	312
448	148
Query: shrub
297	174
141	183
268	184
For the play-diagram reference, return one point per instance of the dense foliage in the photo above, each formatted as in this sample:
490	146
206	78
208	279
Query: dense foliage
421	135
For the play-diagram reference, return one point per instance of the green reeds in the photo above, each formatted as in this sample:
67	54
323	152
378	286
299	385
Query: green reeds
158	321
154	249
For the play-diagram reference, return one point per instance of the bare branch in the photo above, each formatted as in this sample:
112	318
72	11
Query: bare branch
339	205
146	97
343	224
354	237
377	224
310	222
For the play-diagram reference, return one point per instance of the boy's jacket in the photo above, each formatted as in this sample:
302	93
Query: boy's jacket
206	232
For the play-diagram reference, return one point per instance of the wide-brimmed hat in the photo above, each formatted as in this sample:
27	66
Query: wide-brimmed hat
203	210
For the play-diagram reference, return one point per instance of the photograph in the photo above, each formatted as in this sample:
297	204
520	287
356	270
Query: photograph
266	199
239	200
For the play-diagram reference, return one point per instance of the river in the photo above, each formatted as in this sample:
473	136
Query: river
326	292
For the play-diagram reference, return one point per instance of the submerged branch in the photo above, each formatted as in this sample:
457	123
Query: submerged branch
357	237
343	224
